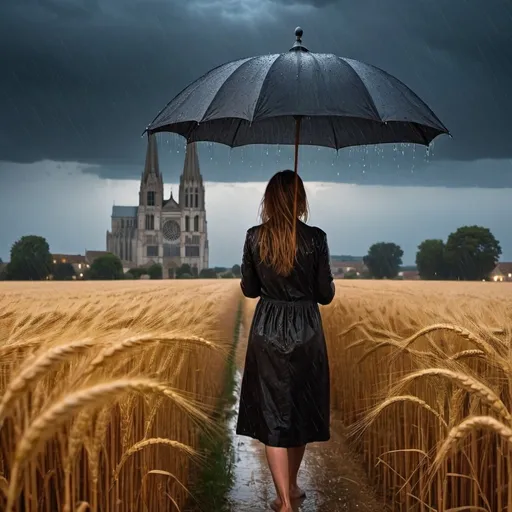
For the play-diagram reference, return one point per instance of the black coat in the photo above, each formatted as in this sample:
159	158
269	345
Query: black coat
284	400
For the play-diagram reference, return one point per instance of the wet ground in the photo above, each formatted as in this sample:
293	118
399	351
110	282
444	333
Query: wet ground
331	476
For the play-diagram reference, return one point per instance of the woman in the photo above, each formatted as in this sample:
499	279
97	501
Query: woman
284	400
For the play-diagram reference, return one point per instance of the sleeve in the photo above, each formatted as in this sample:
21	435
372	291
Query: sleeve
250	283
324	282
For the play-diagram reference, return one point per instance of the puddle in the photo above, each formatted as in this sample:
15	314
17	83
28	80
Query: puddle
333	481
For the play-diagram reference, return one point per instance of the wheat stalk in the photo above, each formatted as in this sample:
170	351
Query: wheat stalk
47	422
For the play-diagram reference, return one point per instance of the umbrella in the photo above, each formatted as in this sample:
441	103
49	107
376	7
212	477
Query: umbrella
298	97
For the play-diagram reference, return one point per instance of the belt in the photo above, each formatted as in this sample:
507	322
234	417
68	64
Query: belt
297	302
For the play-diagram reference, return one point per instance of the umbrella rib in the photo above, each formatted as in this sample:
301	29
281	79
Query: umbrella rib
329	118
334	133
277	56
423	104
236	133
197	82
246	61
374	107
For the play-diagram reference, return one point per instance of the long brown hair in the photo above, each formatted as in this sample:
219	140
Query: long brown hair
276	234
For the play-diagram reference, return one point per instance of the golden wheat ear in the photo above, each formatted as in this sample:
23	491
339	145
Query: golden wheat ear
462	430
464	381
37	367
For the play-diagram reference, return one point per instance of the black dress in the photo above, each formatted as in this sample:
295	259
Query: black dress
284	400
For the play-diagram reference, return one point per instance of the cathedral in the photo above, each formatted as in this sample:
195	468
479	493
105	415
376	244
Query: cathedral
162	230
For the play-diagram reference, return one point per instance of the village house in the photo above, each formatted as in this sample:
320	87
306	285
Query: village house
81	263
409	275
78	261
502	272
340	268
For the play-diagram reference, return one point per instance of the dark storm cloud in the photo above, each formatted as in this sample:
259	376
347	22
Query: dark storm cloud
314	3
82	78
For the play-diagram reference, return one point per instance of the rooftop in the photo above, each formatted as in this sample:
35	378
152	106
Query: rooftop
68	258
124	211
504	267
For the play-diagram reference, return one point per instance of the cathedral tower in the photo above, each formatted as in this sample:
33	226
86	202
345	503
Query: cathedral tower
194	247
160	230
151	196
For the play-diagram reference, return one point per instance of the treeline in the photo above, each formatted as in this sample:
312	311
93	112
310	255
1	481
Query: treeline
31	260
469	254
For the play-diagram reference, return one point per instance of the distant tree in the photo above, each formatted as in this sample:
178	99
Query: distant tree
208	273
472	252
129	275
1	260
155	271
106	267
431	261
138	272
227	275
30	259
184	272
63	271
219	270
383	260
195	272
235	270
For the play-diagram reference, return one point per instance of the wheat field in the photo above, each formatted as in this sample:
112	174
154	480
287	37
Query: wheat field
421	373
105	389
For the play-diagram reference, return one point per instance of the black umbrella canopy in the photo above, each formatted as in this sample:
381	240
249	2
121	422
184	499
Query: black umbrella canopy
336	102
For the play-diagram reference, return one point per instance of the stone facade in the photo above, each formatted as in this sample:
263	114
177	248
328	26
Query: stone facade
163	231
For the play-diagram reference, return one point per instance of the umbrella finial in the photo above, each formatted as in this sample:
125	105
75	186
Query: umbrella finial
297	46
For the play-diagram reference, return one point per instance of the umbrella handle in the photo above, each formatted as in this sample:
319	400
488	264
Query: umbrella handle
298	120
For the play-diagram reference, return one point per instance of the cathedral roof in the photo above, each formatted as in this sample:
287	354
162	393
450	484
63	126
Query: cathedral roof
124	211
191	169
171	204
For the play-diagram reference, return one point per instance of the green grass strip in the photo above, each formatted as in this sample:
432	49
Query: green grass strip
215	477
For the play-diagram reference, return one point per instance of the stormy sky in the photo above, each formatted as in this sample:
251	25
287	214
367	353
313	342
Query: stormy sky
81	79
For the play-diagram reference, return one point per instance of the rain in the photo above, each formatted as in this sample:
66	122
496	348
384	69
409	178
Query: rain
84	82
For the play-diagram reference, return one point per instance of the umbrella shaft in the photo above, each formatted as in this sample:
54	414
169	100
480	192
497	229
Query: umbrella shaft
296	181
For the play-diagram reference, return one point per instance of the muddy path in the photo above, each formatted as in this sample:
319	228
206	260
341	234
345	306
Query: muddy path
330	474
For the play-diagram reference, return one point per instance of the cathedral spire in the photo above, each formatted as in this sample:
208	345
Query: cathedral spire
151	166
191	169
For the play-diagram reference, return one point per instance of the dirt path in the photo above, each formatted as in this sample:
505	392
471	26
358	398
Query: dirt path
331	477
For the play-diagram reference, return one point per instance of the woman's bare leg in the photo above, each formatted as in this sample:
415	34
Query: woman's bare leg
295	456
277	459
